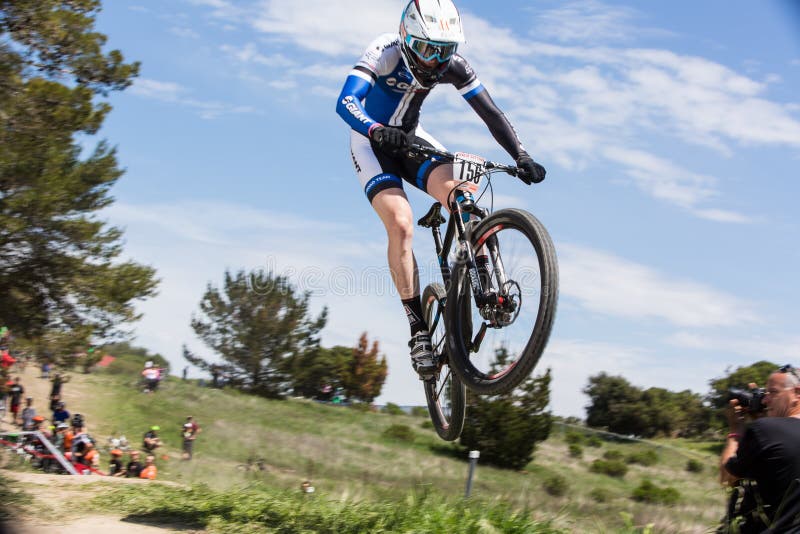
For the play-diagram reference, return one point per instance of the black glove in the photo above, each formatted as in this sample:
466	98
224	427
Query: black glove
529	171
389	139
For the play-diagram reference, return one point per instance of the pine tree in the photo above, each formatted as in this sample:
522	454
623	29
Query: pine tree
61	279
257	324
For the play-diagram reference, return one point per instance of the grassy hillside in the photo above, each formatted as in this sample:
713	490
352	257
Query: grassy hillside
358	471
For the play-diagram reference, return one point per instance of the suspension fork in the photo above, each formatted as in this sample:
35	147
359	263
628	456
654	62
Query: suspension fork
460	211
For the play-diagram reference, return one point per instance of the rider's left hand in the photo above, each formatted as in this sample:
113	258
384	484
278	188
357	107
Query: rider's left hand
529	171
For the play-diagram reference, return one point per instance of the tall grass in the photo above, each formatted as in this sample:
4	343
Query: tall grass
351	461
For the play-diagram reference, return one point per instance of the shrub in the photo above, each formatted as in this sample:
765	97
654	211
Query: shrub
594	441
427	424
650	493
399	433
393	409
600	495
612	468
694	466
574	438
645	457
613	454
556	485
419	411
575	450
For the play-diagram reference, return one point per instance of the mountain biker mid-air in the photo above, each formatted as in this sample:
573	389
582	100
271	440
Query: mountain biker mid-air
381	101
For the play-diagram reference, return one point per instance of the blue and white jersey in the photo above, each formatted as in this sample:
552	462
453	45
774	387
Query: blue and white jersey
380	90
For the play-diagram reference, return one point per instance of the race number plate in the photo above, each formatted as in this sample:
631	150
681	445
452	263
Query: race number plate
468	169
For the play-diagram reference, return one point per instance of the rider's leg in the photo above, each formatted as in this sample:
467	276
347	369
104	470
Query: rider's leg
393	208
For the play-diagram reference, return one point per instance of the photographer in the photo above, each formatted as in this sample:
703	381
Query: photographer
767	451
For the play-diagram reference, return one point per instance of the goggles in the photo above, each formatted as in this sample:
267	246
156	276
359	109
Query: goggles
428	50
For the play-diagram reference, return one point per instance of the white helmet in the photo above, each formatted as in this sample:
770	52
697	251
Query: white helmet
430	32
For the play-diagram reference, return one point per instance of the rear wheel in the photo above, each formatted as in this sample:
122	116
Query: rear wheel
494	347
445	393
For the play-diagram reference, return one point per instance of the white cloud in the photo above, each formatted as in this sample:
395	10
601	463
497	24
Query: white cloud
329	28
184	32
747	350
607	284
174	93
586	20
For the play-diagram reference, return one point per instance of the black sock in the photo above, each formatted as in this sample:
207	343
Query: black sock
413	307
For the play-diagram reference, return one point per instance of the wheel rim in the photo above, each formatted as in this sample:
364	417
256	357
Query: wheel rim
509	326
438	389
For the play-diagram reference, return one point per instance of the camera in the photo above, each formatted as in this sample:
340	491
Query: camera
750	399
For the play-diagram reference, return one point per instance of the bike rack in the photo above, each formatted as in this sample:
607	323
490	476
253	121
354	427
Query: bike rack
66	464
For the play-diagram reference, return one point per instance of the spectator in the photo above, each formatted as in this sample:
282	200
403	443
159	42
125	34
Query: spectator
185	372
46	368
134	468
149	471
151	376
115	467
59	440
36	426
6	360
767	452
54	400
58	381
151	440
89	456
60	415
79	445
306	487
15	392
189	434
28	413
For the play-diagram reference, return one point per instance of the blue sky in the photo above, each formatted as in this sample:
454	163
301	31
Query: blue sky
670	132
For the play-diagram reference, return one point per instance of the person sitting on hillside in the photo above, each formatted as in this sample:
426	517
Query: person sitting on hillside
151	440
59	438
89	456
115	467
150	470
80	444
134	467
6	361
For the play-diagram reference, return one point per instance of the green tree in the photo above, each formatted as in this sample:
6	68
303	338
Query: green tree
61	279
506	428
615	404
366	372
257	323
318	367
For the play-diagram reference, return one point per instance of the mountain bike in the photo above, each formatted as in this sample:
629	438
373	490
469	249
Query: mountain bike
491	318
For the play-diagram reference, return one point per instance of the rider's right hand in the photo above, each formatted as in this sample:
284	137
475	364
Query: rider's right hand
389	138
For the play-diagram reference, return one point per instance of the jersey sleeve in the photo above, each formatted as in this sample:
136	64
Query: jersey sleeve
464	79
360	81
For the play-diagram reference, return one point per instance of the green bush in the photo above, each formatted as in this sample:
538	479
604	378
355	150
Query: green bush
419	411
613	454
600	495
694	466
612	468
575	438
392	409
594	441
399	433
575	450
645	457
556	485
427	424
361	407
650	493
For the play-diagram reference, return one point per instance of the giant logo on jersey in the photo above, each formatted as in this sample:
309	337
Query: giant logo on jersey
349	103
398	85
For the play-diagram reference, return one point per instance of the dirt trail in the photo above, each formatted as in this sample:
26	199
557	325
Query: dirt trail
53	495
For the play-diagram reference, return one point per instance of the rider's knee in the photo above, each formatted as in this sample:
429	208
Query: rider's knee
401	227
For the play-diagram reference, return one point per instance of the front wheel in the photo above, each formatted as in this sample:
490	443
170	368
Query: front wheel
445	394
495	343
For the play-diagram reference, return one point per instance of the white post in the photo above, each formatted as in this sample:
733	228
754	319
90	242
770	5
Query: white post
473	461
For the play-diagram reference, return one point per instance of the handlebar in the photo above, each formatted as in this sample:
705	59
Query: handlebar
415	149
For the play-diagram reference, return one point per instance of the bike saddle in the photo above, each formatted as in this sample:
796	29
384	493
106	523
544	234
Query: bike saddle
433	217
